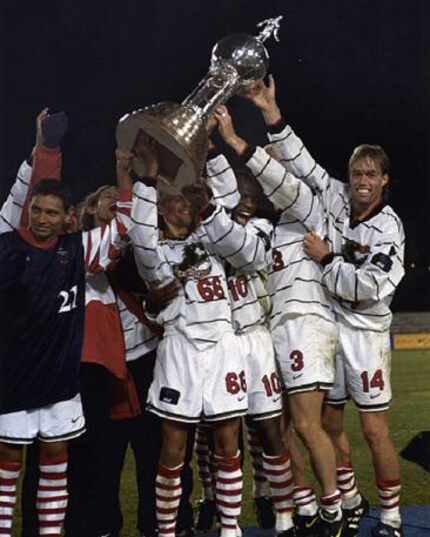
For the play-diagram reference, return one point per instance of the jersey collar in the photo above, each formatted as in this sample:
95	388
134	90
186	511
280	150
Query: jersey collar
27	236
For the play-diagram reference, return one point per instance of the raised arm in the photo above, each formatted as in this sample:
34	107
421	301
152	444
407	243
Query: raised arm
289	148
284	190
244	247
45	162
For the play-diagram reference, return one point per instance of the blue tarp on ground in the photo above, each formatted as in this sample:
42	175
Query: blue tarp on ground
416	523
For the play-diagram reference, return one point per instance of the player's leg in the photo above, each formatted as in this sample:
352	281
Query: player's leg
205	462
368	376
277	467
304	498
260	486
264	413
354	504
228	475
11	456
387	470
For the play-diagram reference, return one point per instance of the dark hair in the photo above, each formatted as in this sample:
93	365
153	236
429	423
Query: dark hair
53	187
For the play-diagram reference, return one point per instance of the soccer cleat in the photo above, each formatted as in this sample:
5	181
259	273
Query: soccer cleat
384	530
305	525
327	525
266	518
352	518
206	515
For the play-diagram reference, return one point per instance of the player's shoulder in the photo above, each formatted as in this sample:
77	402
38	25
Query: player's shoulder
388	221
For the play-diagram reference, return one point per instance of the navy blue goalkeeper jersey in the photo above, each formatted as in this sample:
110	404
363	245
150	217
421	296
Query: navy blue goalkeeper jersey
42	305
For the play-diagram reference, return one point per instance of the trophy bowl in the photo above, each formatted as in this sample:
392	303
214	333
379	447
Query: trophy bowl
245	53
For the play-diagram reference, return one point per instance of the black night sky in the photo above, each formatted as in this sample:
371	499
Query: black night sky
347	71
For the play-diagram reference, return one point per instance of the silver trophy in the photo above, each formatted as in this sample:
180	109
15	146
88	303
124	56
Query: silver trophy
180	129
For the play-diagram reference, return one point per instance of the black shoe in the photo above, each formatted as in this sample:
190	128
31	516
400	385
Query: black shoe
266	518
206	515
305	525
384	530
327	526
352	518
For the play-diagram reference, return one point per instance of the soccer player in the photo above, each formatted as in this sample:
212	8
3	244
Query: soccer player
362	263
200	370
42	287
302	322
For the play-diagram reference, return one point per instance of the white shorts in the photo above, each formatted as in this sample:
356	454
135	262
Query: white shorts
191	385
262	378
363	369
53	423
305	348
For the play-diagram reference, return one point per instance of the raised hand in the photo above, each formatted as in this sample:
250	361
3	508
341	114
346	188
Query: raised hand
264	97
39	118
227	132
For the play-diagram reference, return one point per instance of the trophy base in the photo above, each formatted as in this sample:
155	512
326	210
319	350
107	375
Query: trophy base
182	141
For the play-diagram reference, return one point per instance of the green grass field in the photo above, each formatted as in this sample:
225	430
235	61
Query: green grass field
408	416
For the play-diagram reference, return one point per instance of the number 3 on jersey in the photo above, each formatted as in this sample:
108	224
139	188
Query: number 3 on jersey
277	261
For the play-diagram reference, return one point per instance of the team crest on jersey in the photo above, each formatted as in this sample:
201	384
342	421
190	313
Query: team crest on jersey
195	263
354	252
63	256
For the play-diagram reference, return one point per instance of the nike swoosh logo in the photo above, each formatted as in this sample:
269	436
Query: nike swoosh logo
311	523
375	396
74	420
295	377
276	399
241	398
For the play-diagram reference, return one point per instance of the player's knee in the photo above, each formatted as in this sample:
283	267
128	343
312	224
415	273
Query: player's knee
52	451
306	428
375	429
332	424
270	436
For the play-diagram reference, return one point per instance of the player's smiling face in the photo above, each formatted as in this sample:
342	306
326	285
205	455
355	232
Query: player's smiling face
178	211
47	216
245	210
367	183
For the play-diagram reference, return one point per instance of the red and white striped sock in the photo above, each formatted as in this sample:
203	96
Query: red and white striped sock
305	501
260	484
280	477
52	494
332	504
228	493
204	461
389	498
9	473
168	492
347	484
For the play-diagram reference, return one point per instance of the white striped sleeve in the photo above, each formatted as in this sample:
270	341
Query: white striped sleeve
376	279
284	190
244	248
11	212
150	260
102	245
295	158
222	181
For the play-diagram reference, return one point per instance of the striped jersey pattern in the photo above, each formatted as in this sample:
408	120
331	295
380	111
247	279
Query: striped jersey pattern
369	255
202	310
294	280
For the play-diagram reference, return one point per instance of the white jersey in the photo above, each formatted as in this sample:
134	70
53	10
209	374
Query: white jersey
294	281
249	298
138	338
201	311
10	214
368	262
